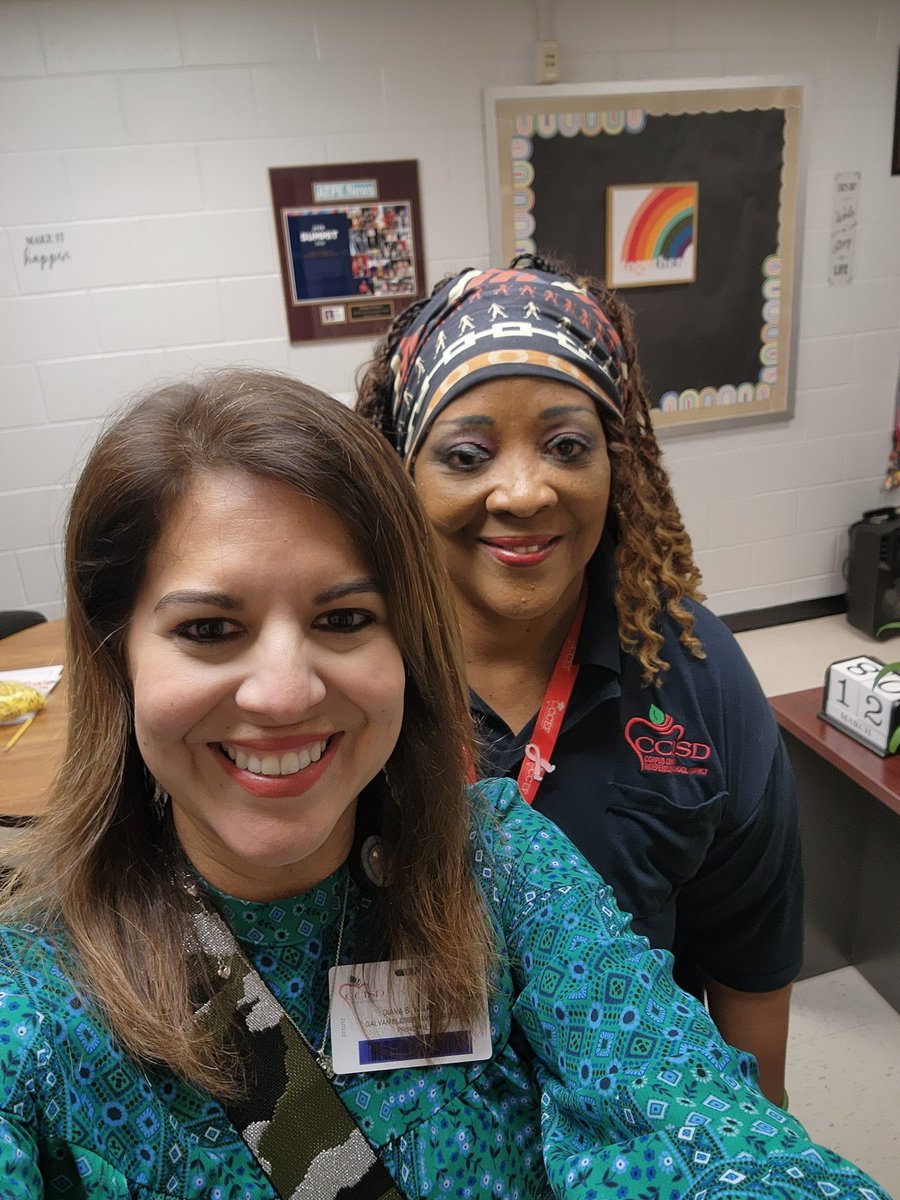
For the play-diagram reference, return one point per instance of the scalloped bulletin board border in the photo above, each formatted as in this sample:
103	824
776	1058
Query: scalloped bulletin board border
716	351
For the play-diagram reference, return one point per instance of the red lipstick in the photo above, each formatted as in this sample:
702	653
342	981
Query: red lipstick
523	551
274	787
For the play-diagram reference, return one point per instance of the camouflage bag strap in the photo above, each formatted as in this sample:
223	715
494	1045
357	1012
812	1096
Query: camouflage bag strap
294	1122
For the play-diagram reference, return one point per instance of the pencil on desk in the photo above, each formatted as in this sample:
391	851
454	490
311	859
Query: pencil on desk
15	737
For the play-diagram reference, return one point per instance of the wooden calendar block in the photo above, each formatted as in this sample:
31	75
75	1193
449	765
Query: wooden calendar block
854	703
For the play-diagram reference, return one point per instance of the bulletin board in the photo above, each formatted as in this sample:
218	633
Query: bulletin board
685	198
349	244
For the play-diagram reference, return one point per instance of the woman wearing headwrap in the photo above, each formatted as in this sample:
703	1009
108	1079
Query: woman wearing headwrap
624	708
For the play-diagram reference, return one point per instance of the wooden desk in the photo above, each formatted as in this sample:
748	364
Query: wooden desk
28	770
850	820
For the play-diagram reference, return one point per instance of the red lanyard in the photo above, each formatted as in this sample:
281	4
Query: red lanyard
548	722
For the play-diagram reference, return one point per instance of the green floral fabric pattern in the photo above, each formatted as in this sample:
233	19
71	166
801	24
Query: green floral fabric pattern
606	1080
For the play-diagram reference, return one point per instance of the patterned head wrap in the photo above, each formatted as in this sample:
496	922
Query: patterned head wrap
485	325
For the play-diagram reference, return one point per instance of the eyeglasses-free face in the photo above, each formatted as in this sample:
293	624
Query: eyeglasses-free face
268	686
515	477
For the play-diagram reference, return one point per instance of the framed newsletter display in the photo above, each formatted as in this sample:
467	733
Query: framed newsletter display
350	246
684	197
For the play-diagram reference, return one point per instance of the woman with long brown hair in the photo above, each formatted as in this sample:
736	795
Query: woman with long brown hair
266	942
623	706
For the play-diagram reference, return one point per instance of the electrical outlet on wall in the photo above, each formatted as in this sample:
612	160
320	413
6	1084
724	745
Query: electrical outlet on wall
548	62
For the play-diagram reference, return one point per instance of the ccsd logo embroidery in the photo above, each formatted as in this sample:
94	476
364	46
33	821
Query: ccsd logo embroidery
660	745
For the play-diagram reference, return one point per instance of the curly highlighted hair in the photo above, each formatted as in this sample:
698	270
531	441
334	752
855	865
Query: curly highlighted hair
655	567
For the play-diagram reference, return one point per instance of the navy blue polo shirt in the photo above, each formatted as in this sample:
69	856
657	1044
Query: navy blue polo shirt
680	794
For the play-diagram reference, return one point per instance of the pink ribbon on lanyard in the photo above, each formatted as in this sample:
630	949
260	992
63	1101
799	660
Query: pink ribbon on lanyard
548	723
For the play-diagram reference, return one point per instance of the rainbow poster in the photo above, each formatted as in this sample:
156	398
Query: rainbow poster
651	234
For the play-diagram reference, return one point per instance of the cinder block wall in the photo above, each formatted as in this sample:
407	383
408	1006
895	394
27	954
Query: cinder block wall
138	136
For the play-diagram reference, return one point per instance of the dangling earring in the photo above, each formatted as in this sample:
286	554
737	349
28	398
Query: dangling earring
371	857
371	852
159	801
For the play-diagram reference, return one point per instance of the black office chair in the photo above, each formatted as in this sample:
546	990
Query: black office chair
12	620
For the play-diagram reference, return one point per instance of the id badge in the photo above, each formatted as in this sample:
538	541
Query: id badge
373	1023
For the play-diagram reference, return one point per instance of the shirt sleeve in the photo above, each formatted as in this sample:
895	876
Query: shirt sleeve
740	918
20	1176
640	1096
20	1031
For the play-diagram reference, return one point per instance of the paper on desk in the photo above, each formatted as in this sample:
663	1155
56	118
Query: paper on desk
42	679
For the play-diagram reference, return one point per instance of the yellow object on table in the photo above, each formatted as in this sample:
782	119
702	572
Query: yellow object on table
35	656
18	700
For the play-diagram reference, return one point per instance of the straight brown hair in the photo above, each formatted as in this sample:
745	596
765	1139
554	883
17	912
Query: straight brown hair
100	863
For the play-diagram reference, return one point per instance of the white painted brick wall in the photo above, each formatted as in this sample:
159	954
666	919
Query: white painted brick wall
128	181
92	35
144	132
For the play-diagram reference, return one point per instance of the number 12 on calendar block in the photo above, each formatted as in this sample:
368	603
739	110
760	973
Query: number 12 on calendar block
854	703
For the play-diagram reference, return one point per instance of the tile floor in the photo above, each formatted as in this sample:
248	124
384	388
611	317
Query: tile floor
844	1051
843	1075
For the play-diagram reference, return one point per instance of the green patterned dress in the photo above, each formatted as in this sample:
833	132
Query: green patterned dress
606	1081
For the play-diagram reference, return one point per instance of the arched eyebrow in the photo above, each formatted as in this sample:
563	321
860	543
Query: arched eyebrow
353	587
229	603
190	596
467	422
566	410
547	414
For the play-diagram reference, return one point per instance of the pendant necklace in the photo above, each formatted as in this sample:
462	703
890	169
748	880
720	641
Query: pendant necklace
323	1059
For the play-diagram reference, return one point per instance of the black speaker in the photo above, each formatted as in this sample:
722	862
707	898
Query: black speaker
873	572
